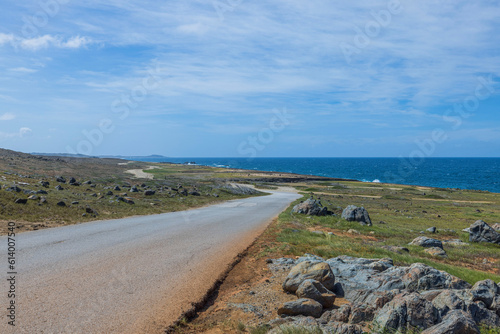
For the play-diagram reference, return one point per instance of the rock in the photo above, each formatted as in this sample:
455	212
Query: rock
353	231
116	188
338	315
21	201
431	229
42	192
313	289
396	249
496	227
72	180
361	314
87	182
60	179
455	243
406	312
436	251
382	222
43	200
485	291
353	213
426	242
109	193
33	197
45	184
319	271
455	322
341	328
134	189
311	207
58	187
182	192
75	203
482	232
303	306
128	200
61	203
149	192
466	230
194	193
14	189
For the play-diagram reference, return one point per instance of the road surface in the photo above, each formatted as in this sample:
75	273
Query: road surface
132	275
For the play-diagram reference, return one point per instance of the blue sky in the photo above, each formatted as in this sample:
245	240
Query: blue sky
239	78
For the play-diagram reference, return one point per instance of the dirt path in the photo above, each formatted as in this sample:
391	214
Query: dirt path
140	174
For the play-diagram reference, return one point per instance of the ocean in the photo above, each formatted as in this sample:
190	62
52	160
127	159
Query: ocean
462	173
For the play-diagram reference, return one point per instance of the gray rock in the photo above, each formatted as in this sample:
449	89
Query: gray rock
45	184
449	300
405	312
353	213
485	291
149	192
426	242
338	315
60	179
14	189
61	203
21	201
75	203
455	243
117	188
341	328
313	289
319	271
431	229
482	232
134	189
58	187
303	306
42	192
33	197
456	322
436	251
194	193
109	193
496	227
396	249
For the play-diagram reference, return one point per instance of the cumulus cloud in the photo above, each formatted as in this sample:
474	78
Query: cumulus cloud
25	132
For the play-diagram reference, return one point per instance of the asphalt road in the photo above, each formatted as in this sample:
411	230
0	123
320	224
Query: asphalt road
132	275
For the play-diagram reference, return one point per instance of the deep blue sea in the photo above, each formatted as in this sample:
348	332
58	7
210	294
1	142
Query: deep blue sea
463	173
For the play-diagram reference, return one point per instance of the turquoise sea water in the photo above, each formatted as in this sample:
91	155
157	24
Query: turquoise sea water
463	173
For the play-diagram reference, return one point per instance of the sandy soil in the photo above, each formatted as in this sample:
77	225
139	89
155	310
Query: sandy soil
140	174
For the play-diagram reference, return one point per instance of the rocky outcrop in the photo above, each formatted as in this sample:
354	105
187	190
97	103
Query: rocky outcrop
311	207
385	297
353	213
482	232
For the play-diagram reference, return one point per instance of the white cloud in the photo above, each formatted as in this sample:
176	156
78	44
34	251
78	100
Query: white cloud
6	38
25	132
37	43
23	70
76	42
7	116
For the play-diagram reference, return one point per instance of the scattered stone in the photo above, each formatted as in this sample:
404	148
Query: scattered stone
117	188
42	192
21	201
128	200
194	193
109	193
455	242
134	189
75	203
61	203
353	213
496	227
382	222
149	192
319	271
482	232
426	242
72	180
33	197
60	179
431	229
353	231
311	207
45	184
14	189
87	182
313	289
43	200
303	306
436	251
58	187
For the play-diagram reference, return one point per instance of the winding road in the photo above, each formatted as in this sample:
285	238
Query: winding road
132	275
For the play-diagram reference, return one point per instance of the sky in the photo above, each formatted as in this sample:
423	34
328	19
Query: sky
239	78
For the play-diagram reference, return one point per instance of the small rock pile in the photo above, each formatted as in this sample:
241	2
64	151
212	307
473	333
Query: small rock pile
383	298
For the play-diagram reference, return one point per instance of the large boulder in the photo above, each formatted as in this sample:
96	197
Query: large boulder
426	242
455	322
482	232
319	271
406	312
303	306
311	207
485	291
313	289
353	213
